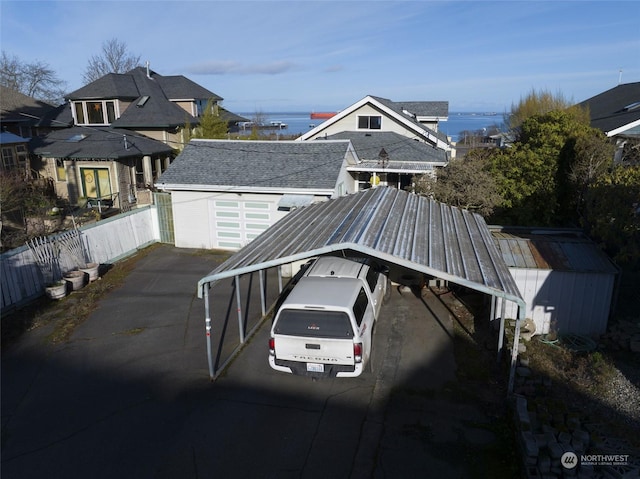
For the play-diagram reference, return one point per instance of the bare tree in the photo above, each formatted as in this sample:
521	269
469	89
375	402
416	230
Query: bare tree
113	59
36	79
540	103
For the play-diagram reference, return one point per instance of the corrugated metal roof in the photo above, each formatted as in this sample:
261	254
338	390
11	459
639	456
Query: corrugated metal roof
395	226
558	250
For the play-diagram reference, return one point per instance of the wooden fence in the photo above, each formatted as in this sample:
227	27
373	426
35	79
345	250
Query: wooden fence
104	242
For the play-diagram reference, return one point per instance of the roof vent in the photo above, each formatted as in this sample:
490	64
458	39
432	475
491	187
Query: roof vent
76	138
633	106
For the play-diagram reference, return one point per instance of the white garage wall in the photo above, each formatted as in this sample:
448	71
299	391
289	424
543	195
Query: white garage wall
191	219
223	220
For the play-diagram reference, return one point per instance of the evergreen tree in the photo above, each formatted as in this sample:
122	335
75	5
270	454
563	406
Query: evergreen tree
212	126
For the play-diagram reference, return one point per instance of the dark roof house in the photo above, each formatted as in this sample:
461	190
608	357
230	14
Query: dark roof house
26	117
617	113
126	128
146	100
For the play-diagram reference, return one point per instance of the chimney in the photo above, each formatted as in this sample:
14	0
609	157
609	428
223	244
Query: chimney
148	71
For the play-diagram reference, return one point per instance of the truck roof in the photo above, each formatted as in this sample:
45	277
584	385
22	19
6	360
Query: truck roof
323	291
331	266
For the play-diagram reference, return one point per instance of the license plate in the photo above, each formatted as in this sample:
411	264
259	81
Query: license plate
315	368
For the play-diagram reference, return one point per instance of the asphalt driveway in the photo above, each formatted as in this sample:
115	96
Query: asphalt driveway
129	394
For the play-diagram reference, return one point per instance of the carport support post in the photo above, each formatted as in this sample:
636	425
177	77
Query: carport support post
501	335
514	353
492	315
263	302
207	322
239	303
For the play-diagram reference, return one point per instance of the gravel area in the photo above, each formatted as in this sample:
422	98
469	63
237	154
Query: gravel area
623	395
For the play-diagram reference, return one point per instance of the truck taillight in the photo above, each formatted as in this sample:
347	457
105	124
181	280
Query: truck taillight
272	346
357	352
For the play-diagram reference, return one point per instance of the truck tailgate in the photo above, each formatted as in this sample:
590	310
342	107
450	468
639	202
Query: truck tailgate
314	350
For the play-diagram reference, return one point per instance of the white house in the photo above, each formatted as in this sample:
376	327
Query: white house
417	120
394	140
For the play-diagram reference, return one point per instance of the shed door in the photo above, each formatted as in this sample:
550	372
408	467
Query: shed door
165	217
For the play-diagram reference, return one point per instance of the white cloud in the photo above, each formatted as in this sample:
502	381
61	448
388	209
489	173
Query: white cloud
230	67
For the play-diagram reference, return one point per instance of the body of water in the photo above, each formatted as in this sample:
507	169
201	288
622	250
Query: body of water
299	123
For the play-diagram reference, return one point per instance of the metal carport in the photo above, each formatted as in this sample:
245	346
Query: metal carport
400	229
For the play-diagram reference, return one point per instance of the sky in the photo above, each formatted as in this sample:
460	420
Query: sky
290	56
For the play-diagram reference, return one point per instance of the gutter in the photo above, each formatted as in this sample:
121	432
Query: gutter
243	189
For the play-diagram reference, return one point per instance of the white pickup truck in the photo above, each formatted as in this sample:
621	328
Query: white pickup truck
325	325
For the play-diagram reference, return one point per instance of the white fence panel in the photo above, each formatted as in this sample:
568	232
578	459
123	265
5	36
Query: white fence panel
104	242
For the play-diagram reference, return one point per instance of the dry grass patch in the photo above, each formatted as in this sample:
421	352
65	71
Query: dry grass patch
65	314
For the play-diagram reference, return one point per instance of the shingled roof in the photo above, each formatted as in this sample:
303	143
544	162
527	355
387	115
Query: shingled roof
415	110
22	109
616	111
96	144
399	148
397	112
209	165
160	110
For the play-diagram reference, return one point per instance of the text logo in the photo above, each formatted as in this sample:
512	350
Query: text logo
569	460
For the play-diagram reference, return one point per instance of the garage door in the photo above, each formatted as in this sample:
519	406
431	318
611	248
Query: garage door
235	223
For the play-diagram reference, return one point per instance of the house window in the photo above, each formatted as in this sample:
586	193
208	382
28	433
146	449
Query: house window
111	112
79	113
369	122
96	183
139	173
61	172
21	151
260	206
227	204
8	158
95	112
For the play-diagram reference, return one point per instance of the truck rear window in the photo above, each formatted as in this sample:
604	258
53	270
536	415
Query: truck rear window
314	324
